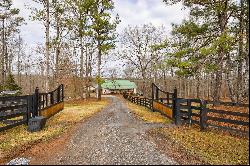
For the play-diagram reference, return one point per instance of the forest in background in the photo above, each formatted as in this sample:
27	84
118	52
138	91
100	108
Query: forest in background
206	56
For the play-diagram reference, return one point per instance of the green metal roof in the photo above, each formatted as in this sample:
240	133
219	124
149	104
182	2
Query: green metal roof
118	84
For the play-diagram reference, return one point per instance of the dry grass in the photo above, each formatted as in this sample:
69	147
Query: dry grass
17	137
147	115
212	147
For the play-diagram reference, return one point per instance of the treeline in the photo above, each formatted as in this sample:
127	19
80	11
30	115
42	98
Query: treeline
77	35
208	53
206	56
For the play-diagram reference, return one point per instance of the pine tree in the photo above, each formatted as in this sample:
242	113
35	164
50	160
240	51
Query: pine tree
10	84
103	31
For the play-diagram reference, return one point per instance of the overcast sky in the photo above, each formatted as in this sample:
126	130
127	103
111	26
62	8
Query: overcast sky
131	12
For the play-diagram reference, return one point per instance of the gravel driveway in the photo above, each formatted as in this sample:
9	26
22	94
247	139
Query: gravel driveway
113	136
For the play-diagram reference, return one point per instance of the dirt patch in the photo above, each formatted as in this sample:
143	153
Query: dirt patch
39	150
174	150
46	146
48	150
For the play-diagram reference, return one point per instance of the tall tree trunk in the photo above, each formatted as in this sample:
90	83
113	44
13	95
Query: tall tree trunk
18	61
7	70
81	55
87	72
229	86
143	82
180	89
222	21
165	81
240	57
99	70
247	55
198	87
217	85
229	83
57	47
81	64
3	53
47	47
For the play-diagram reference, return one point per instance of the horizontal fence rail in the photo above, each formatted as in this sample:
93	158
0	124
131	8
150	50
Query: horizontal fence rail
143	101
17	110
194	111
205	117
227	103
14	111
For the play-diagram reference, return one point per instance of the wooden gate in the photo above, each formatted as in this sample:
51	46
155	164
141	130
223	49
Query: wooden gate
163	102
16	110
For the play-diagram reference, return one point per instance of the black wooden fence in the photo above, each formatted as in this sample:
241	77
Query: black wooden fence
164	97
162	101
196	111
17	110
143	101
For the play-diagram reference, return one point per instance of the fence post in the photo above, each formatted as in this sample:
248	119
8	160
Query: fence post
157	93
174	100
35	102
167	98
47	100
51	98
177	112
189	103
152	100
152	88
62	92
203	115
58	93
29	107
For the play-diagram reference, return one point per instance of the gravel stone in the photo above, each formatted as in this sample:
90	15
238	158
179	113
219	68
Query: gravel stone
113	136
19	161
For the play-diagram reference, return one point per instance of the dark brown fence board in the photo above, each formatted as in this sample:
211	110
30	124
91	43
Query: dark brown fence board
196	107
5	108
229	113
186	111
12	115
26	106
8	98
228	103
228	121
195	100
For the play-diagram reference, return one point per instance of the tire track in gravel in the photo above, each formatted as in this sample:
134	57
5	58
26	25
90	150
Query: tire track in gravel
113	136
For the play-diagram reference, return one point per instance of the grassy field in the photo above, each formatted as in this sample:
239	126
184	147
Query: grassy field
213	147
73	112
